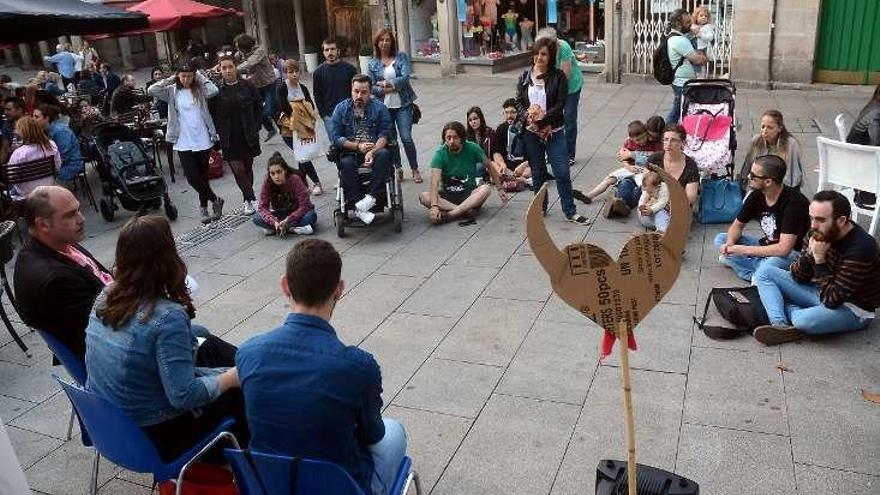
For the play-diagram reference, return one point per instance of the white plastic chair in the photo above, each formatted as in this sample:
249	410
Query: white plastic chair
840	123
850	166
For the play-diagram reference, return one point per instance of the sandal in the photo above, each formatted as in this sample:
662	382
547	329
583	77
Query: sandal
399	175
417	177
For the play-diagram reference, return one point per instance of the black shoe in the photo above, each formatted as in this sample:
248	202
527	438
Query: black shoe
549	176
571	162
579	219
578	195
270	134
776	334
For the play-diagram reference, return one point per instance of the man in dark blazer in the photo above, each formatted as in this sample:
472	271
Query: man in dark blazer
56	279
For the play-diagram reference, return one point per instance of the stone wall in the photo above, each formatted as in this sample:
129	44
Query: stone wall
797	27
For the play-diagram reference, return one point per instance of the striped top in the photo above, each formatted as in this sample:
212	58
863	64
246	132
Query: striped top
850	274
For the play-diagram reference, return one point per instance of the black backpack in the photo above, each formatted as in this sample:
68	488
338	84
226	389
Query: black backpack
739	305
663	71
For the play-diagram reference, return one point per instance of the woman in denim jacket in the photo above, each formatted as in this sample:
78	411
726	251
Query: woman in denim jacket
389	73
143	353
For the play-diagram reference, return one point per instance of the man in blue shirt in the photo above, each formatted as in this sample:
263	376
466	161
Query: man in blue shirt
309	395
682	55
359	127
68	144
66	63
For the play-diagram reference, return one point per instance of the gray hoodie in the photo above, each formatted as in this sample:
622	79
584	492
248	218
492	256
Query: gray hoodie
166	90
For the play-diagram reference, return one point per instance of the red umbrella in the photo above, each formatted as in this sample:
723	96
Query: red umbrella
168	15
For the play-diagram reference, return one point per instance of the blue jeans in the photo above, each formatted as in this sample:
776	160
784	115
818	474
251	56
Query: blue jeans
387	456
629	192
788	301
351	184
401	119
310	218
268	94
555	150
675	111
746	266
570	113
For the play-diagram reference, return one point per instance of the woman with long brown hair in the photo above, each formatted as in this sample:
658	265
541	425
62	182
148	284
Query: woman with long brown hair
35	145
774	139
191	130
144	354
389	72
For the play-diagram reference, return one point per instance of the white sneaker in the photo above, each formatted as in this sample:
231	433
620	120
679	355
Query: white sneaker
317	190
366	204
365	216
248	208
304	230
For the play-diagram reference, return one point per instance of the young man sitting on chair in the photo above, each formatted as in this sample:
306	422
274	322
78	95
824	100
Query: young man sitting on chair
782	213
454	192
309	395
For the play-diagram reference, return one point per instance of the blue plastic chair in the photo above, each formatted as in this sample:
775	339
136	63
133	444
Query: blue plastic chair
116	437
75	367
274	474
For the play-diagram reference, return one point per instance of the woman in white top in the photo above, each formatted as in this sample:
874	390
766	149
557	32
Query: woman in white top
389	71
191	130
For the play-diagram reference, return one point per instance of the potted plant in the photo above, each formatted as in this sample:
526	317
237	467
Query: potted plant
311	58
364	56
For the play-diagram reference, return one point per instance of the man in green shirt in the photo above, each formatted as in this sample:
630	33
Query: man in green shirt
567	63
454	191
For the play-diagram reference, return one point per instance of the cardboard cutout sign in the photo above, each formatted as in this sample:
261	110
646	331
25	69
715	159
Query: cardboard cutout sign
612	292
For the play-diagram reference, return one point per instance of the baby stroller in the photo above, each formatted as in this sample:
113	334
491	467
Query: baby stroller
392	200
708	113
128	172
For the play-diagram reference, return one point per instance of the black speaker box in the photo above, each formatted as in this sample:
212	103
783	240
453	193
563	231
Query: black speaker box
611	479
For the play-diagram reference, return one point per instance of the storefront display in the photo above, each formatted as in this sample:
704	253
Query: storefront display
423	29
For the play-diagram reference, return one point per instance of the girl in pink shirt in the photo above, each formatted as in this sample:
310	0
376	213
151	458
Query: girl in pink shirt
36	145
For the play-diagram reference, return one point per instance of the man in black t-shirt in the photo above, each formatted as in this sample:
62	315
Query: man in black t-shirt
331	80
782	213
507	149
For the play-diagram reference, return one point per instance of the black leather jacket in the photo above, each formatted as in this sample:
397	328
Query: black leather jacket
556	87
240	101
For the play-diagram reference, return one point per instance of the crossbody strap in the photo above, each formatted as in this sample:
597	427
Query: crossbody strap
250	460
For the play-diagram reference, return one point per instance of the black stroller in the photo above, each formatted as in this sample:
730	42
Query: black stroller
128	173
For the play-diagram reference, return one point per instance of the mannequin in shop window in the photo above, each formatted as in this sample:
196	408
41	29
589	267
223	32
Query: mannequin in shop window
526	39
510	34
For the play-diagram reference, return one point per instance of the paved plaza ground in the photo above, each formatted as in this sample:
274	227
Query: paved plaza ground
496	380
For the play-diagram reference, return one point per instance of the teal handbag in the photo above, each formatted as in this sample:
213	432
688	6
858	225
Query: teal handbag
720	199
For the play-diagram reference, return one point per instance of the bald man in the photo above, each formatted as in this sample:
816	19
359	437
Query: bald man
56	279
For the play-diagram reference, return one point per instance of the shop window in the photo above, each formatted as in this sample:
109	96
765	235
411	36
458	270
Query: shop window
423	29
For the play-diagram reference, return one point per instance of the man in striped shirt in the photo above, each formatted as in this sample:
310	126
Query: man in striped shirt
832	287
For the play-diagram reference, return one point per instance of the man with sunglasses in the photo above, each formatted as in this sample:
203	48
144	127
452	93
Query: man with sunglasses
783	216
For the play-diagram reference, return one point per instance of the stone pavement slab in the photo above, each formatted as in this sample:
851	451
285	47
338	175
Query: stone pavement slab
497	380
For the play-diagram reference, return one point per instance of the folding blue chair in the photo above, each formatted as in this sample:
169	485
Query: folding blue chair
75	367
116	437
267	474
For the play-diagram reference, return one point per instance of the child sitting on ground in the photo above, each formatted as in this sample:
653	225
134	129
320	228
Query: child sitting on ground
654	202
284	201
643	140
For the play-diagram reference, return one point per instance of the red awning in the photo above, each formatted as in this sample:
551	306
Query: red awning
168	15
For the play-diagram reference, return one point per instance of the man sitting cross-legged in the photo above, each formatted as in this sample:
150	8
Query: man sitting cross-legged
454	191
832	287
309	395
781	212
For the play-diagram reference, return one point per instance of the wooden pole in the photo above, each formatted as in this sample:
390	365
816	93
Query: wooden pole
623	335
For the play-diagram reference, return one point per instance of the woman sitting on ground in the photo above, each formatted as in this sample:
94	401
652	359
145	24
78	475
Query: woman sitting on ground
35	145
478	131
144	354
284	201
774	139
673	160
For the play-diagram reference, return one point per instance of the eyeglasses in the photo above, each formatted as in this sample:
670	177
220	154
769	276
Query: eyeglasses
756	176
225	54
671	140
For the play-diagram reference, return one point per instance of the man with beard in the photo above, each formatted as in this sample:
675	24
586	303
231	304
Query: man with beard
833	287
359	127
331	80
126	98
781	212
454	191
